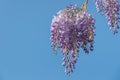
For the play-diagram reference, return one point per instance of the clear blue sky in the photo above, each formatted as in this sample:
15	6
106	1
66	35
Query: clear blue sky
25	51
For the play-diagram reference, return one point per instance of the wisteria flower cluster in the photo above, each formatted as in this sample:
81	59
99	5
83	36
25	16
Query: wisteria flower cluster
72	29
111	9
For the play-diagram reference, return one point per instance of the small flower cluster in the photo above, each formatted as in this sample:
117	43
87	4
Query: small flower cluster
111	9
72	29
99	6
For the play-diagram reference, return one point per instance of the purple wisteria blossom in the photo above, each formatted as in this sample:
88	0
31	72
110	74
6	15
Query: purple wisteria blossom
111	9
99	6
72	29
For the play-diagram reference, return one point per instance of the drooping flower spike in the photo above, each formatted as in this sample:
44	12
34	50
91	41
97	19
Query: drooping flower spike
99	6
72	29
111	9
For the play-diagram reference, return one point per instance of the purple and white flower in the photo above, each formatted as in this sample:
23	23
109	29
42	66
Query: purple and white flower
71	30
111	9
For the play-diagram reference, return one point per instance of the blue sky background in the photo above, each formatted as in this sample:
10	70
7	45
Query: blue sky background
25	51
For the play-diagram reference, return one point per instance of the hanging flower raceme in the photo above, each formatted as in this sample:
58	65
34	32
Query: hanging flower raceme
99	6
111	9
72	29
